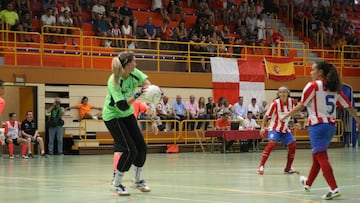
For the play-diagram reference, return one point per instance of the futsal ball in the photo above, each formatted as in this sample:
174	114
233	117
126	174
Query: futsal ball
152	94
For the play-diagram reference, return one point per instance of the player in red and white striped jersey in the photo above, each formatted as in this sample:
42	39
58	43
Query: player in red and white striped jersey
321	96
279	131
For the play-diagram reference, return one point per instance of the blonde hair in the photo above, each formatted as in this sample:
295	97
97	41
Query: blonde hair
117	69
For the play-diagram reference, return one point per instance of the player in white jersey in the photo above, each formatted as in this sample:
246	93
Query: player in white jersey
321	96
279	131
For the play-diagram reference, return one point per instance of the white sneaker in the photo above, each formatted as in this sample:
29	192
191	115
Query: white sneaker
141	186
260	170
120	190
332	194
303	180
24	157
291	171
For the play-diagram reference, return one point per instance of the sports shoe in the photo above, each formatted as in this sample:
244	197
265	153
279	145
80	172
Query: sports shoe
30	156
260	170
303	180
44	155
12	156
24	157
120	190
141	186
332	194
291	171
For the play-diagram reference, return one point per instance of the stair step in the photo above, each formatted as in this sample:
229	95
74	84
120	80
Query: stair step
88	143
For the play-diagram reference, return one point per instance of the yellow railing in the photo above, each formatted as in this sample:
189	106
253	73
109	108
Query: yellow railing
89	50
183	132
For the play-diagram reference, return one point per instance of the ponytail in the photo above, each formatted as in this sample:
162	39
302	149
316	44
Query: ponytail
117	69
331	76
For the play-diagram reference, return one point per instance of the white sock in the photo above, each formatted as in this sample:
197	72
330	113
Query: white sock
118	178
137	174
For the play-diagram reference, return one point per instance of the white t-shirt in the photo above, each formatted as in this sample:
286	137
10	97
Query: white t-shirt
100	10
66	21
156	4
48	20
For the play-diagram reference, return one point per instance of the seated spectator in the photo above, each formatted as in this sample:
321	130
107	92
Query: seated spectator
113	12
181	32
24	7
10	17
116	33
66	21
179	110
210	108
159	6
224	107
240	110
65	7
263	108
127	32
223	122
174	7
192	109
26	23
249	122
77	14
85	109
102	28
98	10
164	112
13	136
339	44
261	25
47	20
50	4
125	11
202	114
149	31
29	131
238	46
225	34
254	108
277	38
205	11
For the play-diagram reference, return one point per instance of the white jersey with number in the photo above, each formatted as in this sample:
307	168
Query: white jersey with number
321	103
13	130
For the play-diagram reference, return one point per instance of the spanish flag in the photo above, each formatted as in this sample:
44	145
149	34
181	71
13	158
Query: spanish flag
281	69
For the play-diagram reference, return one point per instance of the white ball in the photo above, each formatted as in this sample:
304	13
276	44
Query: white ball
152	94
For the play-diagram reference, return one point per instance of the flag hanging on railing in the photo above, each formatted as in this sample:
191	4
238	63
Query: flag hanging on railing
232	78
281	69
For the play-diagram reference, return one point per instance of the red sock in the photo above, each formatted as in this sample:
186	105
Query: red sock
266	153
291	156
116	159
327	169
23	149
314	171
11	149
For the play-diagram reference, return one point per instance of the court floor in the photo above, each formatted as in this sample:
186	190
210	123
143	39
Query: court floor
183	177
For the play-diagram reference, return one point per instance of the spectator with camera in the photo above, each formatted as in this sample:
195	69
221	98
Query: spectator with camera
55	124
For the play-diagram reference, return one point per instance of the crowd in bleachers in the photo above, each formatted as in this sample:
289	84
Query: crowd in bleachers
217	21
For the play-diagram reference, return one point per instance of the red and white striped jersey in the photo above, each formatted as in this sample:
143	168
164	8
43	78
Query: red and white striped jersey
12	129
278	109
321	104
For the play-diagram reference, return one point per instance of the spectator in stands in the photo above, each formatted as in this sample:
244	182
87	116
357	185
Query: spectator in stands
49	19
163	110
85	109
239	109
263	108
113	12
50	4
65	20
23	7
329	34
166	31
210	108
354	49
192	110
225	34
181	32
159	6
127	32
277	38
77	14
251	22
314	27
179	110
224	107
10	17
147	112
56	111
102	27
174	7
339	44
219	10
98	10
65	7
238	46
29	131
254	108
150	31
261	25
13	136
116	33
125	11
249	122
202	114
26	23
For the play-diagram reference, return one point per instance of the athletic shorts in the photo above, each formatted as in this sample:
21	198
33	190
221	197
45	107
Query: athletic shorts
284	138
15	142
320	136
